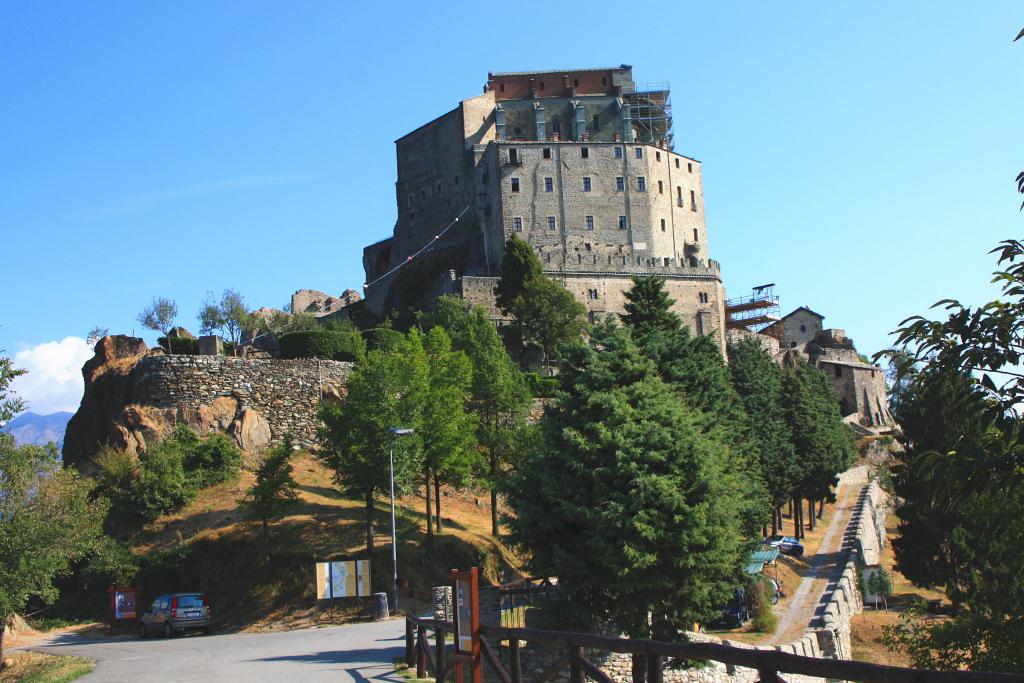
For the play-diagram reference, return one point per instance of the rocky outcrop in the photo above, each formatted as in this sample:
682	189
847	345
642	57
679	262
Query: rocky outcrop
133	397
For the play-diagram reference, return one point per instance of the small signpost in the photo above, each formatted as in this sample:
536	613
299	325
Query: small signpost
124	604
466	618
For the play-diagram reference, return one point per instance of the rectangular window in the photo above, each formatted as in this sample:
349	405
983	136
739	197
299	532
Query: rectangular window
618	152
586	183
620	184
592	294
677	163
657	156
551	223
513	156
589	221
549	184
547	152
695	238
663	225
622	222
515	184
679	195
693	201
661	187
689	167
639	151
641	184
584	152
517	224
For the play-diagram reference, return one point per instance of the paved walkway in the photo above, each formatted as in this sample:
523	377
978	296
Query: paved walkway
826	567
354	652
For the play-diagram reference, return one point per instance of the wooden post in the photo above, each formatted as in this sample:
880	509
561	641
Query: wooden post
439	638
639	668
421	651
515	663
410	643
575	670
655	668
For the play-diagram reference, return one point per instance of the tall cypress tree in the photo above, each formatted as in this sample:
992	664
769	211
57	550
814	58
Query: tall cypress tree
626	501
758	381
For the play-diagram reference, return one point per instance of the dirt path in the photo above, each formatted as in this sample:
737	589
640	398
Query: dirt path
825	569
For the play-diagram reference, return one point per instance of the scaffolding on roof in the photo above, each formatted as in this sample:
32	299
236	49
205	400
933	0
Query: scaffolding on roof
650	112
754	313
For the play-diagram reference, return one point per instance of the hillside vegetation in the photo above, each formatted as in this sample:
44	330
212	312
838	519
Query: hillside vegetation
210	544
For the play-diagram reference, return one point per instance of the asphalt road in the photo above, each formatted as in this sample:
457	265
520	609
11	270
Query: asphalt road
355	652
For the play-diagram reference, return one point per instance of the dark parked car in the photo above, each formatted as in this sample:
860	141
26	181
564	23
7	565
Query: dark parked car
176	613
787	545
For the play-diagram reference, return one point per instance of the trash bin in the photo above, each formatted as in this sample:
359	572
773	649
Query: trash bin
380	606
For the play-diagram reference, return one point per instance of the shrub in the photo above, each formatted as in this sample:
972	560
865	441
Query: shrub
327	344
761	605
215	459
382	339
541	387
181	346
161	486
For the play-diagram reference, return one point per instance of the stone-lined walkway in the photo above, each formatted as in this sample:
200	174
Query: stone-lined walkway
826	567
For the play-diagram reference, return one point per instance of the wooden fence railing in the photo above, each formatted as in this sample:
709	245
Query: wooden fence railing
649	658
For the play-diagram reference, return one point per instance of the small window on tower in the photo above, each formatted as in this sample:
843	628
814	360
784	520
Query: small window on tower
547	152
589	222
584	152
641	184
513	156
803	328
677	163
551	223
586	183
622	222
618	152
661	188
517	224
620	184
689	167
663	225
695	238
693	201
657	156
549	184
515	184
639	151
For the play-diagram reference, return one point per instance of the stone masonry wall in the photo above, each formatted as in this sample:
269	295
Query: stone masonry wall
283	393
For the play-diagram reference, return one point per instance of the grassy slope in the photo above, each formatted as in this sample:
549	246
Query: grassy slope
210	546
36	667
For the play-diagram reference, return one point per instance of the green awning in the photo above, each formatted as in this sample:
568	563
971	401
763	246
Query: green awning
759	558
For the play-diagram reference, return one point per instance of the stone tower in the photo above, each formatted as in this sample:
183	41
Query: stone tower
581	165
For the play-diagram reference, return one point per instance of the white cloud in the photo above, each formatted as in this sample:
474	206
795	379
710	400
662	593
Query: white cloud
54	379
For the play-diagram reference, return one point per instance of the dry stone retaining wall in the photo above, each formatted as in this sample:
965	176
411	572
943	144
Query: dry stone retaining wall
257	400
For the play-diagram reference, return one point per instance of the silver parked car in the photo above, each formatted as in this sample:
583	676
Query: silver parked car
176	613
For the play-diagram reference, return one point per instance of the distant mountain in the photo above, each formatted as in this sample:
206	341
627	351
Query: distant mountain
30	428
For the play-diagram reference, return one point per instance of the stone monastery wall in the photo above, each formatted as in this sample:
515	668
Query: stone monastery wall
225	393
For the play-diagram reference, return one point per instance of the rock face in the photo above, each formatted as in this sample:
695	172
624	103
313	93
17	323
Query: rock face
133	397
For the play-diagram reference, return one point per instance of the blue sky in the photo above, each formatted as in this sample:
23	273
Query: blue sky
860	156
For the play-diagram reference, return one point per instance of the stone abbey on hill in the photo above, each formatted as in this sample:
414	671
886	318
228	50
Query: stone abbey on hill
578	163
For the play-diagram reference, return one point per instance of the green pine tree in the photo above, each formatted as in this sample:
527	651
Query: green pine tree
649	307
625	500
547	314
274	493
518	267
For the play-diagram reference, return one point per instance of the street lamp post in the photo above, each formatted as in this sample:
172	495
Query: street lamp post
392	433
